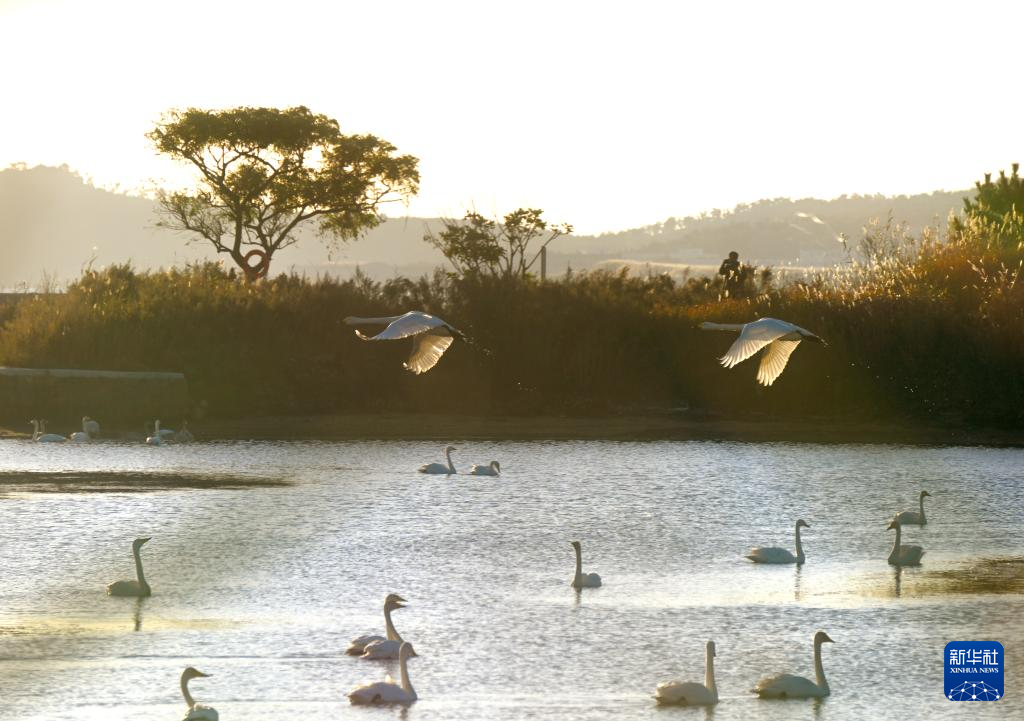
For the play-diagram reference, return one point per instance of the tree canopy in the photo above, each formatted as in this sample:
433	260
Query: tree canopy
264	171
478	245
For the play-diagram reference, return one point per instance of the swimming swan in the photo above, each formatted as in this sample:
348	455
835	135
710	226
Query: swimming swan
40	435
132	588
85	434
903	555
785	686
774	554
157	438
777	337
678	693
358	646
196	711
430	335
387	691
580	579
914	517
492	469
440	467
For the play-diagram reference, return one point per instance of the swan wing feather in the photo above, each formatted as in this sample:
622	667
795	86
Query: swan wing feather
358	645
410	324
202	712
753	338
686	693
785	685
772	554
774	360
908	517
427	350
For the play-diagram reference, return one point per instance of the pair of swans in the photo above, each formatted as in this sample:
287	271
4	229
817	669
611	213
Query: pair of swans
491	469
774	554
90	430
138	587
165	435
389	647
430	336
914	517
779	686
196	711
39	434
372	646
778	338
902	555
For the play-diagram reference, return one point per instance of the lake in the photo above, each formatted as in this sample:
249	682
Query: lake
267	558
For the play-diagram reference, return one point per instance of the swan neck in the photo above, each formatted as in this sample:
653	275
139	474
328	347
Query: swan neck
137	552
799	546
402	665
922	510
35	430
707	325
579	562
896	544
819	670
709	673
184	692
448	457
354	320
392	634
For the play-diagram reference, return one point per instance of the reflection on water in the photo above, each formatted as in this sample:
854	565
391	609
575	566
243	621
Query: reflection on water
264	588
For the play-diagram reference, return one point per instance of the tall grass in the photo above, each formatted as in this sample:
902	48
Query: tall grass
928	327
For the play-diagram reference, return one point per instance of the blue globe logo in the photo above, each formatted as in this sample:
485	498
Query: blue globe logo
973	691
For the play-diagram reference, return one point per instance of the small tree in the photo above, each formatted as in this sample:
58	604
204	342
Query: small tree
478	245
265	171
999	207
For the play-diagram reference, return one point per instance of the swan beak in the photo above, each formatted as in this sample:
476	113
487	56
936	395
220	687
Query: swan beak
926	493
827	639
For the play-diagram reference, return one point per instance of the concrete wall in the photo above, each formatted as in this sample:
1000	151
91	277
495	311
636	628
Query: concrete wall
63	396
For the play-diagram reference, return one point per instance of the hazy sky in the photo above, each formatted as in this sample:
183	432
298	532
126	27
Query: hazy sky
607	115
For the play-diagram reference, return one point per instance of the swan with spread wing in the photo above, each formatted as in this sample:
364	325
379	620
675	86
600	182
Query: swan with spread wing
430	336
777	337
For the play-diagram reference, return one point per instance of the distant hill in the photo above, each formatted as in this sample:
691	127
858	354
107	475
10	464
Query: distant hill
53	223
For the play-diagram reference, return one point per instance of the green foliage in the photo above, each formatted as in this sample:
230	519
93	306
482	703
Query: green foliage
263	172
479	246
930	329
1000	206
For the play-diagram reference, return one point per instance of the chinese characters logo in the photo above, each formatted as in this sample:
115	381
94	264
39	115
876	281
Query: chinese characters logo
974	670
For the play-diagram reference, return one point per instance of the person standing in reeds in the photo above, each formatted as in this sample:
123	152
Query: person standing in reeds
730	270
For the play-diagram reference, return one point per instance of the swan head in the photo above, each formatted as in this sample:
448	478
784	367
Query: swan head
925	493
802	524
814	339
449	449
191	672
894	524
711	649
138	542
404	651
822	637
393	601
496	466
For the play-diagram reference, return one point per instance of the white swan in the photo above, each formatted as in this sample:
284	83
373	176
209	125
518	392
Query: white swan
138	587
84	434
914	517
184	435
679	693
440	467
387	691
157	438
358	646
430	335
774	554
777	337
491	469
40	435
903	555
784	685
91	426
196	711
581	579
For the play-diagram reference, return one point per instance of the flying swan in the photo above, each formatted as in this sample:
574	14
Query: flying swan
903	555
491	469
196	711
581	579
678	693
777	337
430	335
784	685
132	588
387	691
375	646
914	517
440	467
774	554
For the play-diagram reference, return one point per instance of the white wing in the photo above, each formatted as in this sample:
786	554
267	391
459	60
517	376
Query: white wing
427	350
774	359
754	337
412	323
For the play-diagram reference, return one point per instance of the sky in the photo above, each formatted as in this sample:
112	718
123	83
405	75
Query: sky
607	115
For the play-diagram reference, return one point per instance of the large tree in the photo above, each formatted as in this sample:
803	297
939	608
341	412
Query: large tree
265	171
478	245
